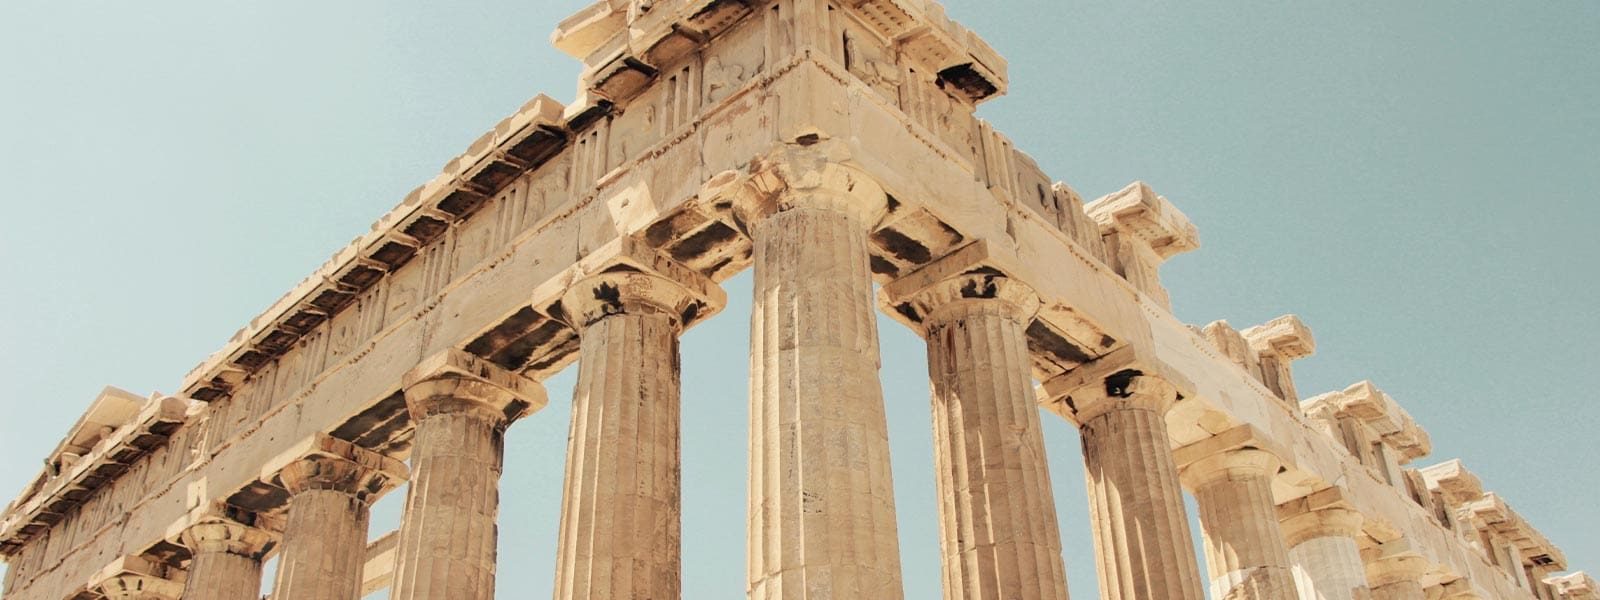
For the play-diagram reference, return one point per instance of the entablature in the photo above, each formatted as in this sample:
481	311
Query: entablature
111	456
1378	413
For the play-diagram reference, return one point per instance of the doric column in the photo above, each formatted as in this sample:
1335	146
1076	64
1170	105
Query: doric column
999	537
133	586
332	485
821	516
621	512
1397	578
460	406
1142	542
227	559
1322	549
1245	552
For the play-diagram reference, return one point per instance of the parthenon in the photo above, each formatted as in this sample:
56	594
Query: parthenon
831	147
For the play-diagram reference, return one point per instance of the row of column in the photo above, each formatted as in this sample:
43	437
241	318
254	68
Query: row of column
821	507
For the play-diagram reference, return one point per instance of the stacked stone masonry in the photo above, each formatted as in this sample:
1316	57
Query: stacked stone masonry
831	147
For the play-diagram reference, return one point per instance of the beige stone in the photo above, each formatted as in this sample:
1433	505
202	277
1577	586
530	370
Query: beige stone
822	519
621	514
461	406
1324	553
999	537
829	146
1397	578
1245	551
331	485
1143	547
226	563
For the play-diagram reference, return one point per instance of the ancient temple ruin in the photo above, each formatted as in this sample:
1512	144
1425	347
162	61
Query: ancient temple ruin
830	146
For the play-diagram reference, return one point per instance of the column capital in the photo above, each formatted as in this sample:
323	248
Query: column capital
137	578
1323	522
1244	462
599	296
1395	569
218	533
324	462
1116	381
455	381
624	276
973	277
133	586
1242	450
809	173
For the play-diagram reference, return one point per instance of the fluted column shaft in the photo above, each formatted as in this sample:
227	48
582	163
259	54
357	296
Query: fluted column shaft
227	560
821	515
1245	553
324	547
325	531
621	513
448	534
1324	555
1143	548
999	535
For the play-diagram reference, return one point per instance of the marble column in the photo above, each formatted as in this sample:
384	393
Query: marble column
1397	578
227	560
821	514
460	406
1143	548
999	536
1246	557
1324	555
132	586
621	505
331	489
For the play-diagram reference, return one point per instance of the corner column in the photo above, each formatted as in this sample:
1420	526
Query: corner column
821	514
621	513
1322	549
227	559
999	536
1143	547
460	406
332	484
1245	553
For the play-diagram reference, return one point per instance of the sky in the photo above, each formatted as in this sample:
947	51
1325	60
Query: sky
1416	180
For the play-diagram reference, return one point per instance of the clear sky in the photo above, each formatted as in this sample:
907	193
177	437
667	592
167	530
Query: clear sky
1415	180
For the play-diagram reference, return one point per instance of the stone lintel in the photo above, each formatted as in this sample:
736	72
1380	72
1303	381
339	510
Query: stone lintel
1204	454
1286	337
1365	402
368	475
1142	215
619	264
454	377
378	571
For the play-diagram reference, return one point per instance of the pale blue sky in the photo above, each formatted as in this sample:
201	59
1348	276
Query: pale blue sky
1416	180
